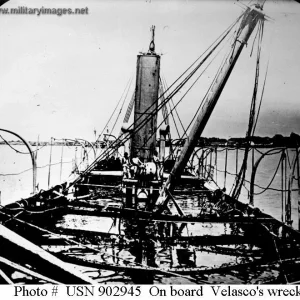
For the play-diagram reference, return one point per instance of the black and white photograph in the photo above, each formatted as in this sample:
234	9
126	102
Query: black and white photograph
149	142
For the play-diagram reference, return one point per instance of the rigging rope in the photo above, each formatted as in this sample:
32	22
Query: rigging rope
121	106
241	176
176	112
120	141
174	121
192	85
199	107
164	108
283	189
113	111
271	181
86	153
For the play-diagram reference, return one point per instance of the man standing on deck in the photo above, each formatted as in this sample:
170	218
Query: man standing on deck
157	164
137	165
126	165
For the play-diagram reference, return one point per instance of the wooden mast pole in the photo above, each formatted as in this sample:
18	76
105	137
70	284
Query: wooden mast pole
248	23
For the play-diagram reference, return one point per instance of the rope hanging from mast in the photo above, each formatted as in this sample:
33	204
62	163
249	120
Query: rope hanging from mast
187	78
251	17
185	130
120	111
175	89
253	117
115	109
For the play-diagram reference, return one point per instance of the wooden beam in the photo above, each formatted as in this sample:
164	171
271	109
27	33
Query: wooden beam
142	215
15	247
5	277
26	271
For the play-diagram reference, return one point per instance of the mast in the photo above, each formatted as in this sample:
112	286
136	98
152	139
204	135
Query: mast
249	21
146	95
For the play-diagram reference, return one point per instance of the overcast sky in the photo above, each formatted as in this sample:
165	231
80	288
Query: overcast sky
62	76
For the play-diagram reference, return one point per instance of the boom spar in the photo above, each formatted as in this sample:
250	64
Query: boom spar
249	21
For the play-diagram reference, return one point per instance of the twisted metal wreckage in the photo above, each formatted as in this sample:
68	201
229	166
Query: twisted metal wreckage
169	221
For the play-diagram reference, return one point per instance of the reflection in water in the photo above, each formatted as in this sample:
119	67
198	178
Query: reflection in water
135	244
161	244
14	188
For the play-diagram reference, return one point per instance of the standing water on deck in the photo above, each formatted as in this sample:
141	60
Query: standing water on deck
16	175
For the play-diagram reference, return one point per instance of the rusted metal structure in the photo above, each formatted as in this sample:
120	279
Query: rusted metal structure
143	142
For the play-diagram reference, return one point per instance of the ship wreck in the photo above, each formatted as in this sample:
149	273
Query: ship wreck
136	195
